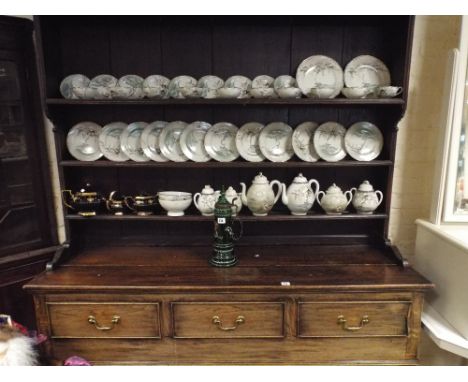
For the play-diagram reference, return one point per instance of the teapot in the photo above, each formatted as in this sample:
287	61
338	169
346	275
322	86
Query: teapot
299	197
142	204
334	201
235	199
205	201
260	197
115	205
365	199
85	202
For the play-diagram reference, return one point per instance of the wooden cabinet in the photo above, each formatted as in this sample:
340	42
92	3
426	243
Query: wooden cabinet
307	289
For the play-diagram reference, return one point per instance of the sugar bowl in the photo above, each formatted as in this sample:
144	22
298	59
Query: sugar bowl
143	204
365	199
334	201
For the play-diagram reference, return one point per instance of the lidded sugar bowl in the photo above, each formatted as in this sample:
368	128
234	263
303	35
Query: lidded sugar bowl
115	204
205	200
143	204
260	197
299	196
85	202
334	201
365	199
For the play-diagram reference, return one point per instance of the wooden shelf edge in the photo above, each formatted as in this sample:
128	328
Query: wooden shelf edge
244	218
235	164
220	101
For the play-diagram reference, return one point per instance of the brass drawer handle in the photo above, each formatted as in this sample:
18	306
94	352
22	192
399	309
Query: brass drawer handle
217	321
115	320
342	321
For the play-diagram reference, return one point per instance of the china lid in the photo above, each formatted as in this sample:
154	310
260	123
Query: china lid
300	179
334	189
260	179
231	192
207	190
366	186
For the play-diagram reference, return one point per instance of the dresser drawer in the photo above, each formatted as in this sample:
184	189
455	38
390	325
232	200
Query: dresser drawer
352	319
106	320
228	320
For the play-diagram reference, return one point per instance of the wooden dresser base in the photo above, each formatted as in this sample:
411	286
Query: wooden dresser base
147	313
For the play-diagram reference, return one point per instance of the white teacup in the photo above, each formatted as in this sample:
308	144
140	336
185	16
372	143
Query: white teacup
359	92
192	92
229	92
322	92
80	92
289	92
263	93
100	92
155	91
390	91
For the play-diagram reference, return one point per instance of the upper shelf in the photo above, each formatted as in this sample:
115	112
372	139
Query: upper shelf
223	101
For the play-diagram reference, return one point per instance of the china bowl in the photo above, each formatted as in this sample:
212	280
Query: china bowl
322	93
175	202
360	92
289	92
229	92
263	93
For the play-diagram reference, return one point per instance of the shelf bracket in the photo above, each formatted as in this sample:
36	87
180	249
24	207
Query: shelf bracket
50	266
400	258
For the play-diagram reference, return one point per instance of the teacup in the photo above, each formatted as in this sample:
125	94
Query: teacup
155	91
359	92
100	92
229	92
263	93
80	92
389	91
321	92
289	92
122	92
192	92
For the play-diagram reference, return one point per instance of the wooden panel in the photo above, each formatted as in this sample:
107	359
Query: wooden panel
136	320
236	320
322	319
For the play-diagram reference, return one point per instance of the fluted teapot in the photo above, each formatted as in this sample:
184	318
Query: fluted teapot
365	199
334	201
299	196
260	197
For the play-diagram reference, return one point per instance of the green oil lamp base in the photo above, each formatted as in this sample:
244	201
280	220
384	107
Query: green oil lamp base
223	256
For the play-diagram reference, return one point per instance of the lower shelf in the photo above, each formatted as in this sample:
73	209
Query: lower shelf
246	218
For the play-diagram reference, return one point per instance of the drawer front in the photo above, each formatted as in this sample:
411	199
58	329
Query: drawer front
104	320
352	319
228	320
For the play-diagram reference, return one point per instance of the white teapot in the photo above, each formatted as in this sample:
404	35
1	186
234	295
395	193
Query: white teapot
234	198
334	201
205	201
365	199
299	197
260	198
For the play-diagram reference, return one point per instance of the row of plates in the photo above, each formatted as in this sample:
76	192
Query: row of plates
200	141
317	76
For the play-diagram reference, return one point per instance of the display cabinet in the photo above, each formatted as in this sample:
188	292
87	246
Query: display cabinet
308	289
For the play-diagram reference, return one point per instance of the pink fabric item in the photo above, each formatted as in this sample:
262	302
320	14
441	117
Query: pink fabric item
76	361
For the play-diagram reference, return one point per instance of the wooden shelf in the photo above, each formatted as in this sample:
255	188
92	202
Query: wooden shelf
234	164
221	101
246	218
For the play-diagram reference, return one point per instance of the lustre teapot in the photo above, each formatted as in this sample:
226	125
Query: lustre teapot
365	199
334	201
299	197
260	197
85	202
205	201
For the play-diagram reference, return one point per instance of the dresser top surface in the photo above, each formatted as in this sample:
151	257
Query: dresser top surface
265	268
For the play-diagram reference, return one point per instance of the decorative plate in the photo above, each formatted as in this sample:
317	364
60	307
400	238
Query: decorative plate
366	71
320	72
284	81
210	86
363	141
302	141
192	141
130	141
275	142
71	82
220	142
247	142
261	82
83	141
156	86
180	84
109	141
150	141
169	141
329	141
239	82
